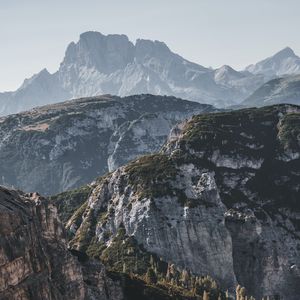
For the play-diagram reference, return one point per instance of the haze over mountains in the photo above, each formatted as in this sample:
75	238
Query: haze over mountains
99	64
285	62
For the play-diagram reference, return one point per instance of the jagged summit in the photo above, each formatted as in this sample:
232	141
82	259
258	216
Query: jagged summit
226	73
284	62
100	64
105	53
285	53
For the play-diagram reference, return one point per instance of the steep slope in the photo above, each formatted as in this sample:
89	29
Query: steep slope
285	62
220	199
99	64
36	265
34	260
280	90
58	147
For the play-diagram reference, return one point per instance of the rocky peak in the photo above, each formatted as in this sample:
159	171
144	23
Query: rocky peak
285	53
147	48
223	194
226	73
104	53
282	63
43	77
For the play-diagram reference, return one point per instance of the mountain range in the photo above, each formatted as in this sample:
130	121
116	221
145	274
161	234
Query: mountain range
63	146
214	213
223	194
99	64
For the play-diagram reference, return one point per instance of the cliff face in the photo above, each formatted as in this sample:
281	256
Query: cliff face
63	146
221	198
34	260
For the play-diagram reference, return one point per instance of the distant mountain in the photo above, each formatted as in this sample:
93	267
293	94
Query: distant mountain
285	62
111	64
62	146
279	90
99	64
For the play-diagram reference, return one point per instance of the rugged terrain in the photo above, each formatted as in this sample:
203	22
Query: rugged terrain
98	64
35	263
58	147
34	260
221	199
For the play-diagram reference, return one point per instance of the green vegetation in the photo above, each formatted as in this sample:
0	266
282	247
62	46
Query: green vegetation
151	169
154	176
289	133
86	233
134	266
69	202
223	131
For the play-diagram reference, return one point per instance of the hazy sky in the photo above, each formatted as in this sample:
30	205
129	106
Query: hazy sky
35	33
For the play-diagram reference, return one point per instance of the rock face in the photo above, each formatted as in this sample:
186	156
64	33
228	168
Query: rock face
34	260
221	198
99	64
280	90
63	146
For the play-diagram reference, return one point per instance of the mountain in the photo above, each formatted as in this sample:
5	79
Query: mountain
99	64
43	88
35	262
279	90
285	62
63	146
221	198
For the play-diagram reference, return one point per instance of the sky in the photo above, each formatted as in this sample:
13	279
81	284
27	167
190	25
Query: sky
34	34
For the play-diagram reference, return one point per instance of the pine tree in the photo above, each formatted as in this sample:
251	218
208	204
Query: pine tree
185	278
151	277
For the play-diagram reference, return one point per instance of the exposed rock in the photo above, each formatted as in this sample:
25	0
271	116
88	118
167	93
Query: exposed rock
58	147
232	214
99	64
34	260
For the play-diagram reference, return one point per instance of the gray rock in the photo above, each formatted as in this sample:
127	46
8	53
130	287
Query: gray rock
234	216
34	260
63	146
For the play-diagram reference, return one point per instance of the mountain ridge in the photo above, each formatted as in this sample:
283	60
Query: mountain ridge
222	194
47	149
111	64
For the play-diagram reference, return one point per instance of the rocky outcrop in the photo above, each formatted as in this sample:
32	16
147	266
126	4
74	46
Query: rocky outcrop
34	260
221	198
63	146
